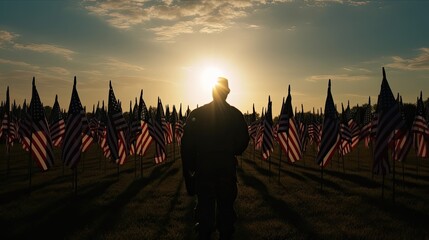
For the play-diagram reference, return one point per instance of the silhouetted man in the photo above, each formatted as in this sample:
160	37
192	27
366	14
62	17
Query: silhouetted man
214	135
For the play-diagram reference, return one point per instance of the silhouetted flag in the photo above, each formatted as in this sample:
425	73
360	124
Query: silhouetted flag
24	130
355	128
403	142
267	141
73	139
330	131
179	127
6	123
303	130
134	126
365	133
389	119
345	133
288	133
158	134
420	130
144	139
87	138
253	126
116	127
57	124
41	144
102	130
168	131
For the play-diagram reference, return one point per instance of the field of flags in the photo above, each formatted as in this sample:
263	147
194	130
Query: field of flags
390	132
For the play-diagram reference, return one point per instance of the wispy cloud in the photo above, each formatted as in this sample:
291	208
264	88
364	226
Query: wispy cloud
59	70
322	3
420	62
18	63
46	48
338	77
175	17
9	39
114	63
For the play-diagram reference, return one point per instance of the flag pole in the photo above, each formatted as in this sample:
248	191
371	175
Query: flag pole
269	167
280	161
321	177
141	165
358	165
394	182
117	173
75	180
8	156
135	163
30	162
382	187
403	174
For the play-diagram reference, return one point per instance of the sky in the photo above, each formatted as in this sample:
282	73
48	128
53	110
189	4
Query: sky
173	49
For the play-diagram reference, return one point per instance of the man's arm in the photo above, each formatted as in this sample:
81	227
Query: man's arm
242	134
188	153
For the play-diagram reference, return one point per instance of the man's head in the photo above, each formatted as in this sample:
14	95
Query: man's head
220	90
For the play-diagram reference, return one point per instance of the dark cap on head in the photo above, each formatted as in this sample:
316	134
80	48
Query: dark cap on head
222	84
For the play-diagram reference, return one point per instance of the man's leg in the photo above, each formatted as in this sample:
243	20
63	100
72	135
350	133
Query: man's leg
206	209
227	193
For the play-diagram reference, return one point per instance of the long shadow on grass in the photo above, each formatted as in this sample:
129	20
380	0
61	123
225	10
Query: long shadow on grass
110	214
280	207
54	219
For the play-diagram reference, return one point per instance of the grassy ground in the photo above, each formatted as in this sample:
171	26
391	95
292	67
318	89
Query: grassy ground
128	205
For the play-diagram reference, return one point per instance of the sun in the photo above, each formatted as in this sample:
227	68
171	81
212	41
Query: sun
209	75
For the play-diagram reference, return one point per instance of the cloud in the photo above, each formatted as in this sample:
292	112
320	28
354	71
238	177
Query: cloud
46	48
59	70
174	18
322	3
114	63
338	77
420	62
18	63
7	37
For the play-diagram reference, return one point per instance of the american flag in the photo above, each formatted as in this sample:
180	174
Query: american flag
267	139
403	143
24	130
144	139
158	134
178	129
389	119
73	139
57	124
6	123
288	135
116	128
87	138
102	132
330	133
133	126
167	126
303	130
365	133
253	125
41	144
345	133
355	128
420	130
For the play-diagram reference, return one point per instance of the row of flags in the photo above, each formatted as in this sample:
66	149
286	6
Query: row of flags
74	133
391	127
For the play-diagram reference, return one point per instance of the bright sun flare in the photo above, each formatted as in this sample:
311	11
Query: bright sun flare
209	76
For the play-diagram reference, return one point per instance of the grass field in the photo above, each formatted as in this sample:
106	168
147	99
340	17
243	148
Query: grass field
128	205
